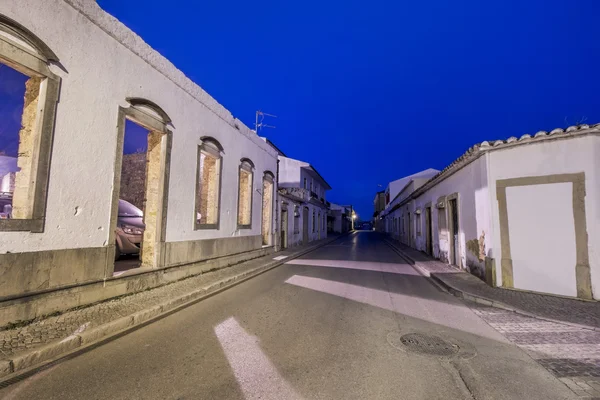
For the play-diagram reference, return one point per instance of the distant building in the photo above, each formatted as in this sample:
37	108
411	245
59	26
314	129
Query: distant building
8	169
340	218
301	201
378	206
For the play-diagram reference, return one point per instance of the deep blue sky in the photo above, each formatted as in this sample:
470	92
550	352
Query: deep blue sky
369	92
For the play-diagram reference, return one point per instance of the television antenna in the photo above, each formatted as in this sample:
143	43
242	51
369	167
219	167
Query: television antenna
260	117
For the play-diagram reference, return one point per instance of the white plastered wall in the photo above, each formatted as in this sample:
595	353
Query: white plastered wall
470	183
319	232
99	74
293	239
551	157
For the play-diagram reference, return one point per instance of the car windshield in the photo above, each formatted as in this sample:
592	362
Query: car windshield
127	209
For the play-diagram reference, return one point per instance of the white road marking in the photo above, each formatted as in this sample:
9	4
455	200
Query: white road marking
279	258
430	310
255	373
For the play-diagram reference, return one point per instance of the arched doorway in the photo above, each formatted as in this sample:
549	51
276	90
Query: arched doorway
140	187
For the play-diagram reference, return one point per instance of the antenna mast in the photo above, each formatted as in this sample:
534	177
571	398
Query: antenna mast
260	117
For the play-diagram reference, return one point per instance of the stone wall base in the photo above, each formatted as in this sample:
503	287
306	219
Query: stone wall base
32	305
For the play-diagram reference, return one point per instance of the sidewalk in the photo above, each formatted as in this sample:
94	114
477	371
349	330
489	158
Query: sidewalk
24	347
585	314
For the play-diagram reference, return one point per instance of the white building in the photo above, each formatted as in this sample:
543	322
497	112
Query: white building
394	188
520	213
340	218
209	199
398	190
302	201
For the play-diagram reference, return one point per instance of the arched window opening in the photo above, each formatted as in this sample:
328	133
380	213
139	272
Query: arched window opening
267	208
208	184
29	105
246	178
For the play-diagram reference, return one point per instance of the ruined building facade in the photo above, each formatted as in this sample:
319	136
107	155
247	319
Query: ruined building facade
85	75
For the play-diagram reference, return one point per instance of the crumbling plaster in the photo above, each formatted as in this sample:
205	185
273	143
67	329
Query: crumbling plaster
470	183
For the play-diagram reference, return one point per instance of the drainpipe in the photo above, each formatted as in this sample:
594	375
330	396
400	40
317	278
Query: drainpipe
276	195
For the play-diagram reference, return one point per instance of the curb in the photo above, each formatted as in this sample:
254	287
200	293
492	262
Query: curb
414	265
26	364
498	304
481	299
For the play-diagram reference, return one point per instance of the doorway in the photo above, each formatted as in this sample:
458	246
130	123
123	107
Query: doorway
305	225
139	198
409	231
283	230
454	229
428	233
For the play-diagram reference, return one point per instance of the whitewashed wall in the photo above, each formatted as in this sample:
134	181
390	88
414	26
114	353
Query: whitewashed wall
289	172
99	74
293	239
470	183
543	249
320	232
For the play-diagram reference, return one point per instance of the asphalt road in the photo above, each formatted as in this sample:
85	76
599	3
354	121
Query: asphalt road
326	326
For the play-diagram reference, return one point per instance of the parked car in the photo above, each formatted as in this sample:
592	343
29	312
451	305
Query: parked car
130	229
5	205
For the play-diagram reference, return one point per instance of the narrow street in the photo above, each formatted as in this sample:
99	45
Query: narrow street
350	320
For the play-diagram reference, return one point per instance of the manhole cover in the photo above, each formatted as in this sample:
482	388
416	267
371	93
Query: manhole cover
426	344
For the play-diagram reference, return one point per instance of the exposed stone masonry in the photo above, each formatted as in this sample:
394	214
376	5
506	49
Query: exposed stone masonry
23	194
267	206
133	179
208	190
245	198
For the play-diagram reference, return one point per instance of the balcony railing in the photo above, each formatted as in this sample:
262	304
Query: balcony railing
299	194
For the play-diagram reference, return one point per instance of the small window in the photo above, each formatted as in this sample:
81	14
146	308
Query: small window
318	219
208	185
311	185
245	194
304	183
313	220
418	222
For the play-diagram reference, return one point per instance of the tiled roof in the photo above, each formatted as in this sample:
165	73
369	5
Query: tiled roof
539	136
480	148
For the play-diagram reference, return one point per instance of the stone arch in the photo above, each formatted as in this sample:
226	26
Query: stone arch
212	141
26	40
269	174
247	161
149	107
